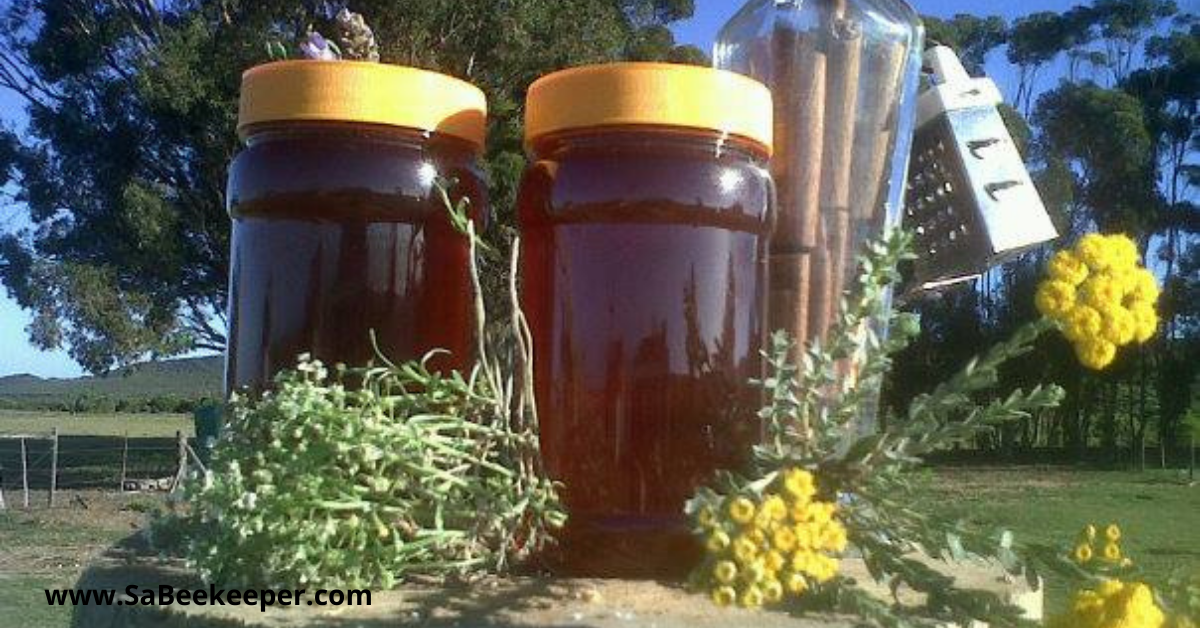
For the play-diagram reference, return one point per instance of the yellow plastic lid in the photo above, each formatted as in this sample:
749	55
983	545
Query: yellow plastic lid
357	91
650	94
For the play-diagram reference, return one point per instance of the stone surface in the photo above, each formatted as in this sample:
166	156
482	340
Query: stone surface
507	603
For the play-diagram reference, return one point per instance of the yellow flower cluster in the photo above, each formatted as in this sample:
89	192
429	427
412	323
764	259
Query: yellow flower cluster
763	550
1104	547
1113	604
1102	296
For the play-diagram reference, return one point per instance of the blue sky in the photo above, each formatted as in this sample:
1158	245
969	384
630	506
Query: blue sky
18	356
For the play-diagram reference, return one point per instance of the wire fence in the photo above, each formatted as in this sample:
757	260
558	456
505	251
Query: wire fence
37	463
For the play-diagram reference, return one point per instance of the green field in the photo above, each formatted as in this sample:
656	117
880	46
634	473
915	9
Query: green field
135	425
1159	512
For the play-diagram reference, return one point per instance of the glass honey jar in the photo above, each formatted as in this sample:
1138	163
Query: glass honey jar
339	231
645	219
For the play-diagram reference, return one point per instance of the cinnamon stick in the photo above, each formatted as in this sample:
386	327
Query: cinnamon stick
872	145
791	276
798	79
844	51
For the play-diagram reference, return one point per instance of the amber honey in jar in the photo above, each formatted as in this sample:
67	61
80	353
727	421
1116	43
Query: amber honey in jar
645	218
338	227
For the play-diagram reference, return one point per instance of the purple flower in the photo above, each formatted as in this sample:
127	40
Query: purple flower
317	48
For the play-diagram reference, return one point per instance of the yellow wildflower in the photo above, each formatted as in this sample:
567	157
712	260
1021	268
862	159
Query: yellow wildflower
755	572
772	591
717	541
834	539
1083	553
1066	267
1094	250
1112	533
774	562
799	484
796	583
1146	322
1055	298
1120	325
1112	552
822	568
1123	250
1143	287
725	572
1101	291
773	509
1100	295
741	510
784	539
1096	353
821	512
1089	532
744	550
804	535
724	596
707	517
802	561
1112	604
1083	323
752	597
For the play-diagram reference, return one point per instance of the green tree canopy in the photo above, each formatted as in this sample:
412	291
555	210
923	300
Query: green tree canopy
131	113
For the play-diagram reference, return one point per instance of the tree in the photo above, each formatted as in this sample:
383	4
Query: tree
972	36
1124	25
131	112
1037	39
1115	175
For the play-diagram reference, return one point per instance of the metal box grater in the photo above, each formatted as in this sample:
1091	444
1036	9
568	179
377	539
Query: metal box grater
970	200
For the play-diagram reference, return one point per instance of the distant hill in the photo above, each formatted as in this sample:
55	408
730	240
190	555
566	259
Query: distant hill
185	378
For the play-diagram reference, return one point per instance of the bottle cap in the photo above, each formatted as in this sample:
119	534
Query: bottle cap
649	94
357	91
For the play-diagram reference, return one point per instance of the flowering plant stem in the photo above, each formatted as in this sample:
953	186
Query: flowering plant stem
374	473
816	399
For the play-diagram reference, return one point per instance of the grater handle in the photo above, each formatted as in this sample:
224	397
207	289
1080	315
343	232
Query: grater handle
945	66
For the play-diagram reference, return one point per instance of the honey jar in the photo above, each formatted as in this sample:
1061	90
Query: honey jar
645	218
341	243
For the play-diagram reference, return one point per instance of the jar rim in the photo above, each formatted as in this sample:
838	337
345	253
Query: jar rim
546	143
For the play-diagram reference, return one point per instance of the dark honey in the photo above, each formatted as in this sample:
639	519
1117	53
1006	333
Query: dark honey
338	231
643	282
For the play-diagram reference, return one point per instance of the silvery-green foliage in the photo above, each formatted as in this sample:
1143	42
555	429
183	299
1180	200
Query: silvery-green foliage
409	472
815	396
368	475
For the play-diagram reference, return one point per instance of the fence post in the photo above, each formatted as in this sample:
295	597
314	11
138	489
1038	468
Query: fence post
124	463
53	465
24	475
181	472
1192	458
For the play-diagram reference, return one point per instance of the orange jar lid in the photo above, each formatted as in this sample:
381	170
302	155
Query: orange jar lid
357	91
649	94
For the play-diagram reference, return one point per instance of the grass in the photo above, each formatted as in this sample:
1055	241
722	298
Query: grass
1158	512
43	549
136	425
